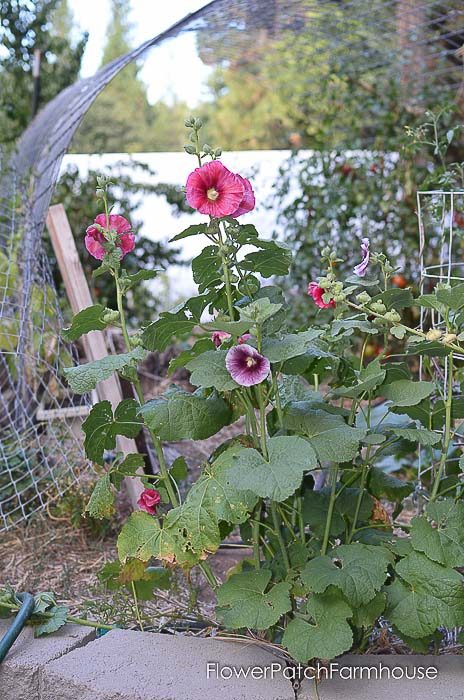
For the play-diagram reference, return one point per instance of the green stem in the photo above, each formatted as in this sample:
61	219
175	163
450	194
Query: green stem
209	574
226	273
69	618
255	534
448	427
278	532
364	473
301	526
330	510
137	609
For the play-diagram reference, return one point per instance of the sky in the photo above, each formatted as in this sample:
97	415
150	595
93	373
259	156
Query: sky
164	68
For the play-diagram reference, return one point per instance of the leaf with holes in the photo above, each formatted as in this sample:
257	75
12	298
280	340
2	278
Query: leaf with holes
358	570
330	436
280	475
245	600
101	427
327	635
101	502
439	533
424	596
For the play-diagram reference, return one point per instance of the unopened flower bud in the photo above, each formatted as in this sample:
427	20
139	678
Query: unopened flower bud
207	149
110	316
434	334
363	298
379	307
218	153
191	150
449	337
198	123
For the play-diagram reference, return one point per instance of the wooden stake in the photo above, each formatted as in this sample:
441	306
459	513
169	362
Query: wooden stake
78	293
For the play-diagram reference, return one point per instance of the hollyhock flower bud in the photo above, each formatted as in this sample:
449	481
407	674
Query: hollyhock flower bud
361	268
120	229
218	337
317	292
449	337
246	366
149	500
433	334
248	202
243	338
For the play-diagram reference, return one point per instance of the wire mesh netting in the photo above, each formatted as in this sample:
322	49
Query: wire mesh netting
373	49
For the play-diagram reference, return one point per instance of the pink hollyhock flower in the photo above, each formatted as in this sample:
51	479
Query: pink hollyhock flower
361	268
214	190
317	293
248	202
246	366
148	501
94	238
243	338
218	337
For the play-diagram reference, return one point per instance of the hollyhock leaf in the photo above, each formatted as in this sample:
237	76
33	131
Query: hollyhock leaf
420	435
367	615
398	332
140	276
194	230
142	537
230	504
158	335
89	319
395	298
101	502
275	260
129	465
358	570
368	379
195	528
296	389
329	435
209	370
243	601
207	268
235	328
84	378
316	503
101	427
184	357
279	476
51	624
184	416
452	298
430	301
346	327
382	485
327	635
290	345
259	311
406	392
439	533
424	596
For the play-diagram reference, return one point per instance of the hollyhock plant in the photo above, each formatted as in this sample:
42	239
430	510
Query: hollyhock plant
118	226
148	501
246	365
317	292
218	337
360	269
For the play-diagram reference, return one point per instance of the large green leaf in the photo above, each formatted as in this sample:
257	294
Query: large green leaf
181	415
229	503
368	379
142	537
207	268
439	533
101	427
184	357
328	433
327	635
90	319
382	485
84	378
275	259
426	596
395	298
406	392
245	600
316	503
209	370
58	618
358	570
453	297
367	615
193	230
195	527
158	335
290	345
259	311
420	435
279	476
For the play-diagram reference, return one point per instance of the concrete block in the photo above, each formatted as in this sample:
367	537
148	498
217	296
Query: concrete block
129	665
20	672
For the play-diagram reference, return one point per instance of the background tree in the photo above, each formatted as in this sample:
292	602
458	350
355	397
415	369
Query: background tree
25	26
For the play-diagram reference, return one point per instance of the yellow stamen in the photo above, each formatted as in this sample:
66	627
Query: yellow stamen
251	362
212	194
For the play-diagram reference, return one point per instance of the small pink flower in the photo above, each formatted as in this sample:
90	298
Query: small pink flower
248	202
246	366
214	190
361	268
243	338
94	238
316	293
218	337
148	501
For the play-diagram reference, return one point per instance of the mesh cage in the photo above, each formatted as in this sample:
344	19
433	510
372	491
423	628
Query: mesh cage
414	46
